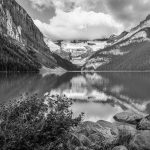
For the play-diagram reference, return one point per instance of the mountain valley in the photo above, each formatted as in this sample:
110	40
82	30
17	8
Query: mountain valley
24	47
22	44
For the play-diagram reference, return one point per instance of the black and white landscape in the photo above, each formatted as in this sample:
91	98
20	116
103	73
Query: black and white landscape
74	75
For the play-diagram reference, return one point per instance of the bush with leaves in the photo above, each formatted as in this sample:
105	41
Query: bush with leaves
37	124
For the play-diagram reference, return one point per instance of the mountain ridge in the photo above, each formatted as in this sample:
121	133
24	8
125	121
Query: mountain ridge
130	51
18	30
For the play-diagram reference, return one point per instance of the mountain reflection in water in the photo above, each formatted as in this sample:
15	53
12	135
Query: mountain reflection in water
99	95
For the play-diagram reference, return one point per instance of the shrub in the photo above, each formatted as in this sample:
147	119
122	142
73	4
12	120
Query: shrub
37	124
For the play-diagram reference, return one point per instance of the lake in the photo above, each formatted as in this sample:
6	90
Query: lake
98	95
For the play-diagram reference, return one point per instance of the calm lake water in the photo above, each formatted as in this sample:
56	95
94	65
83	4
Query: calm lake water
98	95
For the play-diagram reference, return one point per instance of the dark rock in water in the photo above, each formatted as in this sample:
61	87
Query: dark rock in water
128	117
120	148
141	141
144	124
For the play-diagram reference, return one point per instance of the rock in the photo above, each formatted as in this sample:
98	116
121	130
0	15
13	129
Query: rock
144	124
106	124
141	141
116	123
126	134
109	126
127	130
98	133
128	117
120	148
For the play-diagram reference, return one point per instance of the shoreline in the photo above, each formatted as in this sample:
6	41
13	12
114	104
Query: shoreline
130	131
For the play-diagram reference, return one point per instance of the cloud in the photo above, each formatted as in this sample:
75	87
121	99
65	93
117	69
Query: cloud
41	4
69	5
123	10
129	12
86	18
79	24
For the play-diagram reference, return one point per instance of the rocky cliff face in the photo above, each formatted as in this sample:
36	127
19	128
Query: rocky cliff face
16	23
22	43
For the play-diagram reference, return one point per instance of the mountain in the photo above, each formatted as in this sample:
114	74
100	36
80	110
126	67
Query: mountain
22	45
115	38
130	51
76	51
61	56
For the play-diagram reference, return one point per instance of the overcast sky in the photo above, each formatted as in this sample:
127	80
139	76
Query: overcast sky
85	19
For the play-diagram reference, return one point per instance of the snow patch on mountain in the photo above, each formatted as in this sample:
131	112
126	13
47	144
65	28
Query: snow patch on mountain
79	52
53	47
97	45
95	63
114	52
71	47
136	32
141	34
94	45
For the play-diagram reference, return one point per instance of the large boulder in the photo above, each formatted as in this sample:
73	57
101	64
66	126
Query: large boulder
127	130
126	134
141	141
108	125
128	117
120	148
144	124
100	133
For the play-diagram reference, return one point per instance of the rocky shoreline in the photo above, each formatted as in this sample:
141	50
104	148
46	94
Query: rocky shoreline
130	131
